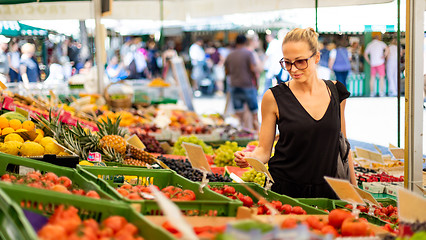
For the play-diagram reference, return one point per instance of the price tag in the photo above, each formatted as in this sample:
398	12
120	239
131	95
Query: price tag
369	155
398	153
23	112
259	166
345	191
135	142
196	156
163	165
236	179
411	206
174	215
366	196
94	157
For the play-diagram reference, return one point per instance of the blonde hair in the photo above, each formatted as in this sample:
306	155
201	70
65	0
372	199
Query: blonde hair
28	48
307	35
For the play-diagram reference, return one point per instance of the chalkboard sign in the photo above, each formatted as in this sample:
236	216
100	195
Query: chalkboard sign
181	76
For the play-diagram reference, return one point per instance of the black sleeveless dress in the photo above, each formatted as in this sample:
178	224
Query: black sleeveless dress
307	149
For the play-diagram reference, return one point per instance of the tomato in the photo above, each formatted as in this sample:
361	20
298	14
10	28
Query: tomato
277	205
106	232
247	201
115	223
298	210
289	223
52	232
328	229
91	223
33	176
354	227
126	186
60	188
362	209
228	190
337	216
240	196
261	210
93	194
350	206
134	196
219	229
202	229
123	192
391	209
384	211
132	229
286	209
169	227
190	193
6	177
50	176
65	181
314	222
78	192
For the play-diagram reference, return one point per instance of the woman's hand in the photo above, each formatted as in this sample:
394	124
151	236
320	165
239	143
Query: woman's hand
239	158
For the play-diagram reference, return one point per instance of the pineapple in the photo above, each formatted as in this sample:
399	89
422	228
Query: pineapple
115	142
134	162
141	154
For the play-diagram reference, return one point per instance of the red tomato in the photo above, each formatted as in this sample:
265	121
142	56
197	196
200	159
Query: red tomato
66	182
286	209
314	222
93	194
354	227
190	193
298	210
247	201
228	189
350	206
261	210
289	223
115	223
277	205
50	176
337	216
126	186
169	227
328	229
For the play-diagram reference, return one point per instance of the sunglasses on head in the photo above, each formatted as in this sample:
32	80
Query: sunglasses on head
300	64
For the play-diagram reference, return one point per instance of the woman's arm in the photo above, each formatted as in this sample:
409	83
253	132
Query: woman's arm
343	129
263	151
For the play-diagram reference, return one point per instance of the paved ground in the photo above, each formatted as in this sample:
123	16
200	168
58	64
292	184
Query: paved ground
368	120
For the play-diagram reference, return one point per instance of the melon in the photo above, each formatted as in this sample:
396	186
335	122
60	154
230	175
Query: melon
236	170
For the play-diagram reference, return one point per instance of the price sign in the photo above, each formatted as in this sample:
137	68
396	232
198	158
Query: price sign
135	142
369	155
411	206
23	112
345	191
259	166
366	196
196	156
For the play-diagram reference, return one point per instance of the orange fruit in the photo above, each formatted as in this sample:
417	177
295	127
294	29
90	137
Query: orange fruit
28	125
4	123
15	124
7	131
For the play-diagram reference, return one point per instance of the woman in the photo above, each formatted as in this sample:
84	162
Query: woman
340	61
392	68
29	67
14	59
308	122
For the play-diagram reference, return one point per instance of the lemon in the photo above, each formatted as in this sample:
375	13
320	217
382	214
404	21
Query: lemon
21	130
52	148
11	147
7	130
40	132
13	137
31	149
44	141
85	163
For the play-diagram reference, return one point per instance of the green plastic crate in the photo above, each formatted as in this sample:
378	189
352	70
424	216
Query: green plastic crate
44	202
387	201
319	203
207	203
269	196
13	223
10	163
371	219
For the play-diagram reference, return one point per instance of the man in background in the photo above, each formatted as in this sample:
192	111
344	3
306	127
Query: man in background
375	54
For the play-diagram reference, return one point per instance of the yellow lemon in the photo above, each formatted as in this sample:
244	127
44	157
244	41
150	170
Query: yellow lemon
11	147
29	125
52	148
44	141
15	124
7	130
13	137
4	123
31	149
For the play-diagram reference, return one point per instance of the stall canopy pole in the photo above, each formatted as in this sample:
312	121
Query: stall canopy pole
316	15
98	45
162	24
414	96
399	72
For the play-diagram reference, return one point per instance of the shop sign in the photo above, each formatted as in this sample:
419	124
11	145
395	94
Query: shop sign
44	11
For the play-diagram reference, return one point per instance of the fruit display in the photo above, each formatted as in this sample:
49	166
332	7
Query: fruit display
378	177
144	192
158	82
48	181
179	150
232	133
224	155
65	223
254	176
184	168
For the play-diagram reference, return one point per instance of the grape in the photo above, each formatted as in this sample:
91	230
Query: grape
253	176
184	168
224	155
179	150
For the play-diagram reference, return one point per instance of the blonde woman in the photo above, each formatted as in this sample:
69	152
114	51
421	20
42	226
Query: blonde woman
28	66
308	121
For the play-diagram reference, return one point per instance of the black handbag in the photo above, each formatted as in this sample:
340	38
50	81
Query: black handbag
343	171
